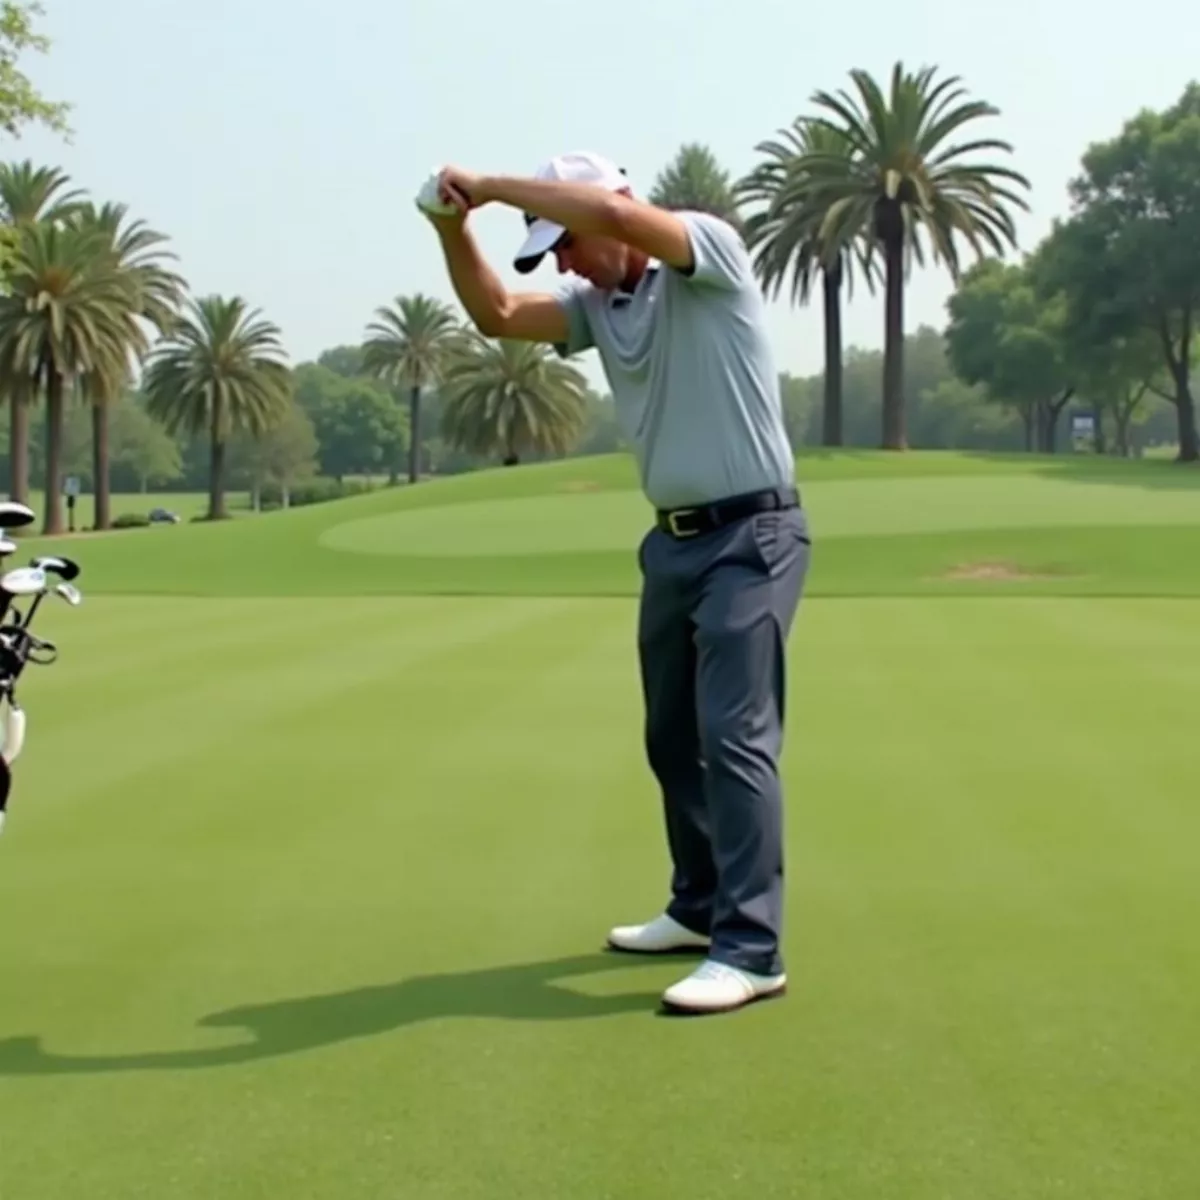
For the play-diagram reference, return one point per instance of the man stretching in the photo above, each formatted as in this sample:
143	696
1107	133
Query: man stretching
669	301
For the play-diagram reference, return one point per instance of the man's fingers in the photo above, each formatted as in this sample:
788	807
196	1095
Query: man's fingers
452	191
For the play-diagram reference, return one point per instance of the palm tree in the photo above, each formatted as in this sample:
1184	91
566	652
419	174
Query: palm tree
27	194
222	367
785	234
406	346
901	179
509	398
68	313
135	251
695	180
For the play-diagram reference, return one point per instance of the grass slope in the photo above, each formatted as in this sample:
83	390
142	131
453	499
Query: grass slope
303	893
883	524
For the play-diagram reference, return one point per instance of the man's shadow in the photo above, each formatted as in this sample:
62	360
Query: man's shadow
522	992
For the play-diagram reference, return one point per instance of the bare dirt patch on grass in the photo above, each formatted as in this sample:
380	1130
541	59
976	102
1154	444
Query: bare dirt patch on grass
999	572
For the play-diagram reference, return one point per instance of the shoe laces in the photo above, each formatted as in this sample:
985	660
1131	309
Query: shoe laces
709	969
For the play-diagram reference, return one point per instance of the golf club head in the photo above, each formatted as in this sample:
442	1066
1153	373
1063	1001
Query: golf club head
23	581
65	568
70	593
15	515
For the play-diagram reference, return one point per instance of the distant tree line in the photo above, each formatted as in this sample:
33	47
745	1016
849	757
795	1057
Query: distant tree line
112	371
1099	319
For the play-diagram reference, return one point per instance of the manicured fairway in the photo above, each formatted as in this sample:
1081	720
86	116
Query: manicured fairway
303	894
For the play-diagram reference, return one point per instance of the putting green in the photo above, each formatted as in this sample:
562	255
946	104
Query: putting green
583	523
884	525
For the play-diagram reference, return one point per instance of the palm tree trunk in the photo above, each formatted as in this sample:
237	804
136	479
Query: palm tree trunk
216	464
102	518
53	521
893	350
831	433
18	445
414	433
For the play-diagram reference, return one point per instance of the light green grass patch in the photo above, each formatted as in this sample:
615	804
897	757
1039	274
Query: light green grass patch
582	522
883	524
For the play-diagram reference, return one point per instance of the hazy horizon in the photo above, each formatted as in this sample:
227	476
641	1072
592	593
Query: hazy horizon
281	150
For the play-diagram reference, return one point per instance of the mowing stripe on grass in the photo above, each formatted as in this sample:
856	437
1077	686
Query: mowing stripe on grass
277	965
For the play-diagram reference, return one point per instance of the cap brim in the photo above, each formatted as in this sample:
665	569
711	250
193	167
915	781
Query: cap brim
542	237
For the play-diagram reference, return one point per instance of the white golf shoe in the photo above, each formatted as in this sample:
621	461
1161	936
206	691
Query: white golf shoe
715	987
661	936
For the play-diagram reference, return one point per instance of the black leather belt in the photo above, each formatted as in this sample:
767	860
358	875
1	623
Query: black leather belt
704	518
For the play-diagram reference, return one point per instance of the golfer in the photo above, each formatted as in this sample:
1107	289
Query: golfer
669	301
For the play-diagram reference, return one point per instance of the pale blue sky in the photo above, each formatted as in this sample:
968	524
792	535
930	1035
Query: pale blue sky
280	142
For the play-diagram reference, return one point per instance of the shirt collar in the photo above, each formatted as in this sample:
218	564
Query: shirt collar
621	296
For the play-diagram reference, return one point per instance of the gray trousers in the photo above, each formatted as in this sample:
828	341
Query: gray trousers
715	614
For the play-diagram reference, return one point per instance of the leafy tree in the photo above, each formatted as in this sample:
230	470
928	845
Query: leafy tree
140	444
511	398
69	313
801	400
695	180
785	235
76	444
283	454
359	427
1117	375
1004	336
1128	258
346	361
221	368
20	102
902	181
407	347
602	431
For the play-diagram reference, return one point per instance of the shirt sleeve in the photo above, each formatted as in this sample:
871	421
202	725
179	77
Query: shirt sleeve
721	259
579	338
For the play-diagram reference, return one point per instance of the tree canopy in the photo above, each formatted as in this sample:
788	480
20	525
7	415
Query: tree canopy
1096	321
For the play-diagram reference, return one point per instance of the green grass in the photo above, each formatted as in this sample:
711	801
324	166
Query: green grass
882	527
185	504
304	882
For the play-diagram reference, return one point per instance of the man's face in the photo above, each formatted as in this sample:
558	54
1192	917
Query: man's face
602	261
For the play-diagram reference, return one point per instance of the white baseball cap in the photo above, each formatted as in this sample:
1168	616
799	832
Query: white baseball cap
579	166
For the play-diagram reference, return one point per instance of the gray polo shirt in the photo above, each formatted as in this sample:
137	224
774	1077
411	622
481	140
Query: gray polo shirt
694	381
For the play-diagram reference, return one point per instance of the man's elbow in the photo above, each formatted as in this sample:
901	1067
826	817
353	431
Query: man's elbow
492	324
653	230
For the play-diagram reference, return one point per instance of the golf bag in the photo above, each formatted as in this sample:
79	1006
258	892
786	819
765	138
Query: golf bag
46	575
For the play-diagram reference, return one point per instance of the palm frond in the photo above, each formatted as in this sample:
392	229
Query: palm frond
510	398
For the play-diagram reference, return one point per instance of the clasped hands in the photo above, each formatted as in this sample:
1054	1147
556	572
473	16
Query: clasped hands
463	189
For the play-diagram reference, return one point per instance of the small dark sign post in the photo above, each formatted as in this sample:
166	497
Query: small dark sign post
71	490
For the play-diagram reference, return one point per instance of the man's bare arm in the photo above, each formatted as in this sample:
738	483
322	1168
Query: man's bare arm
495	312
585	208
